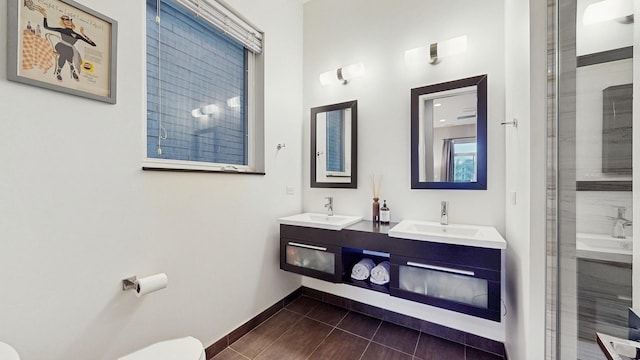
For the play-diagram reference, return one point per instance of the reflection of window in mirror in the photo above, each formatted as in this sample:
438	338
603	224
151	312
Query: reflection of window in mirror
458	160
449	127
464	164
332	135
336	135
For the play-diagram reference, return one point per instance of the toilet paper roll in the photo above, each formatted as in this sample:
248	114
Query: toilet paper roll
151	283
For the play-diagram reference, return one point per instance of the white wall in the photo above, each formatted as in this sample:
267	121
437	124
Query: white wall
338	33
78	214
517	181
525	38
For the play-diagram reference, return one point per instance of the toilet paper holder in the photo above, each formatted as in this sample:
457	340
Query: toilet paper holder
129	283
145	285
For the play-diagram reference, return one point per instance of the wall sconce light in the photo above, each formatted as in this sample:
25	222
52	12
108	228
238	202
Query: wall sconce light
205	110
234	102
620	10
436	51
342	75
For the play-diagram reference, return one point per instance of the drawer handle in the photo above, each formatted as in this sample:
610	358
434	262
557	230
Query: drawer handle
308	246
624	298
441	268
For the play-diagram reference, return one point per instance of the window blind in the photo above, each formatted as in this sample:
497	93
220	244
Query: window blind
226	21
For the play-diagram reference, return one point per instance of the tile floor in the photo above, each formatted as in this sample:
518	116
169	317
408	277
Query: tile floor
310	329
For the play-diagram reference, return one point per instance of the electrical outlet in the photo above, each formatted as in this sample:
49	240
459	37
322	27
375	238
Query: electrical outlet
290	190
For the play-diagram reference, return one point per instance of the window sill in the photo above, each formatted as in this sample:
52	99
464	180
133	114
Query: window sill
145	168
188	166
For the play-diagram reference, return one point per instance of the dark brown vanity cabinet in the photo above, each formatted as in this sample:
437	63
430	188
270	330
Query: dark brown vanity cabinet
604	297
464	289
309	252
460	278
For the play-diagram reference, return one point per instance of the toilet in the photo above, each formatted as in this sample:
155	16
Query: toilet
7	352
187	348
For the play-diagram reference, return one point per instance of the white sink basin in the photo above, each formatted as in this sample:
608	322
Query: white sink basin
617	348
604	247
320	221
7	352
469	235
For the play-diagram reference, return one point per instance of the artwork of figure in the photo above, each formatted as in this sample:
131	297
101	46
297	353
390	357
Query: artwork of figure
62	46
67	53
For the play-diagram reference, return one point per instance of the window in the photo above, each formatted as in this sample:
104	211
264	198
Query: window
335	142
204	65
333	132
464	160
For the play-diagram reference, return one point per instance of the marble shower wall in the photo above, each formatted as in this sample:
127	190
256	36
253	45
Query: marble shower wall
596	211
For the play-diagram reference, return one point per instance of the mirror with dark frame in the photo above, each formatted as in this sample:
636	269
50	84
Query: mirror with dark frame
617	130
449	135
334	146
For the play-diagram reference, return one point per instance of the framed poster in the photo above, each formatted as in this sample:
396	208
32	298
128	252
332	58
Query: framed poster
62	46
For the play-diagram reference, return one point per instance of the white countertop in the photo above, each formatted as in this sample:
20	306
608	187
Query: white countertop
455	234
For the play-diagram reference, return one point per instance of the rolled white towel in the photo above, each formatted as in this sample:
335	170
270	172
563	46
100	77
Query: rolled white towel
362	269
380	273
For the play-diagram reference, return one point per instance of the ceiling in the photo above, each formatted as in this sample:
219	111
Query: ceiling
455	110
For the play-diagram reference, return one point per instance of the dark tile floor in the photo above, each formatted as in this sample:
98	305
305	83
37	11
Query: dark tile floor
310	329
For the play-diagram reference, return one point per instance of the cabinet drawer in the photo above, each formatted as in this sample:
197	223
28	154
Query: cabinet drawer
463	289
312	259
604	279
604	297
322	236
455	255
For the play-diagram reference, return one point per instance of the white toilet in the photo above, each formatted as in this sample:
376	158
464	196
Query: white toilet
187	348
7	352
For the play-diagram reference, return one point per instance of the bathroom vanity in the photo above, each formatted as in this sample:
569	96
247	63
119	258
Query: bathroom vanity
604	268
456	277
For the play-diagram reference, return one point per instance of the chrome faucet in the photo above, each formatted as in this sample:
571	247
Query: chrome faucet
444	213
621	222
329	205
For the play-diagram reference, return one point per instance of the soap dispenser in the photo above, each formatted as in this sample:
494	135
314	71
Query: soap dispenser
385	214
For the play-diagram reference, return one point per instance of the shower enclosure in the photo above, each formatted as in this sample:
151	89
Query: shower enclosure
590	242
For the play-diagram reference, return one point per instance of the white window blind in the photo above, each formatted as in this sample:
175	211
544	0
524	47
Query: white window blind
224	19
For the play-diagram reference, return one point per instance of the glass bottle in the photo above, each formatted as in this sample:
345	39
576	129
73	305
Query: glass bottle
385	214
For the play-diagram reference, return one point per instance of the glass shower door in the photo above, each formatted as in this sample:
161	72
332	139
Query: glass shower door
594	132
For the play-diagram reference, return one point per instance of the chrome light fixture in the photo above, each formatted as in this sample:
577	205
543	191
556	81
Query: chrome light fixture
601	11
234	102
436	51
342	75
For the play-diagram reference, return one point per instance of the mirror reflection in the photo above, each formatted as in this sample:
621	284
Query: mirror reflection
449	135
448	145
333	140
333	156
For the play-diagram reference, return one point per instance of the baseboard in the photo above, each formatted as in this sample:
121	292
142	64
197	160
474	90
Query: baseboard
461	337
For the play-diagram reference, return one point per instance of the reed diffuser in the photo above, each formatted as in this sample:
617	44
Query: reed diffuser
375	189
